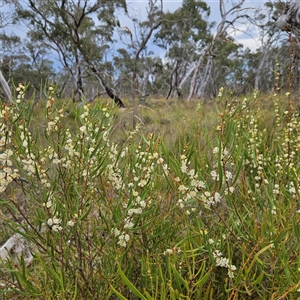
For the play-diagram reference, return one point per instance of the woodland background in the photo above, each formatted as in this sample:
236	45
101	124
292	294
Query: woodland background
84	48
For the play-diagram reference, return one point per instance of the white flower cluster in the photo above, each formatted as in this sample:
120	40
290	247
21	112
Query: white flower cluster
21	91
211	199
50	99
197	189
123	237
7	173
142	172
54	224
70	147
48	204
225	156
72	222
114	172
30	163
160	161
172	251
52	126
142	176
255	94
137	207
224	262
144	167
5	134
221	91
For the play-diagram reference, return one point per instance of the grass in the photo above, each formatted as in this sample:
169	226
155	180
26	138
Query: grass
197	202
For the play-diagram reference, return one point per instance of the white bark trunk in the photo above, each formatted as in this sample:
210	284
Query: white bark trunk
205	78
196	72
210	47
5	87
187	75
264	56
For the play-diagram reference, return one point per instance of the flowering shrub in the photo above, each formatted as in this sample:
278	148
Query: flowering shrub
132	220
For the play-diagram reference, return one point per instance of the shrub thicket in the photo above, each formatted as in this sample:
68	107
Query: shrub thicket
217	217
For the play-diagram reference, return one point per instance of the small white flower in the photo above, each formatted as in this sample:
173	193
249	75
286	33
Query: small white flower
182	188
83	129
273	211
128	225
228	175
71	223
207	194
116	232
126	237
217	197
216	150
49	204
231	189
214	175
56	228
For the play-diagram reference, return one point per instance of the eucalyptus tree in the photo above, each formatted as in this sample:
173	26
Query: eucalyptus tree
225	63
205	61
136	41
26	61
69	28
183	34
147	72
269	38
12	57
12	52
147	28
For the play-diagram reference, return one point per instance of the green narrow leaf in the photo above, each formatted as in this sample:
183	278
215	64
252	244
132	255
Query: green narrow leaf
179	277
229	131
258	279
203	279
130	285
220	169
256	257
117	293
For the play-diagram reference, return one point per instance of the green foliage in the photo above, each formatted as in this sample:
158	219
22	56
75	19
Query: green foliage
186	25
212	215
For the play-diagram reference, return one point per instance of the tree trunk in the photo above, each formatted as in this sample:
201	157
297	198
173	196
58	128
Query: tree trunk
186	76
5	87
108	90
258	74
196	72
205	78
